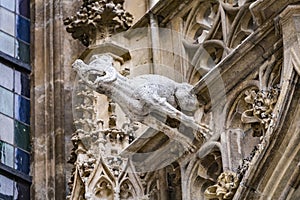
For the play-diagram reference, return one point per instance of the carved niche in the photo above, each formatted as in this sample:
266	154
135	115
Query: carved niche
104	190
251	114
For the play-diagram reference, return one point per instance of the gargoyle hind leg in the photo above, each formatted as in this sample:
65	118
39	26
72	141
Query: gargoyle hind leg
172	133
162	107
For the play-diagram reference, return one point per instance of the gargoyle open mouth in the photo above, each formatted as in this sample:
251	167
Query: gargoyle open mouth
93	75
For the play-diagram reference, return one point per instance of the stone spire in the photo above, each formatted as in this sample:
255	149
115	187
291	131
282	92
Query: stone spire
97	20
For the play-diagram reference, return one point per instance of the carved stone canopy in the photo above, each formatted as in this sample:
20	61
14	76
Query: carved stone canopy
97	20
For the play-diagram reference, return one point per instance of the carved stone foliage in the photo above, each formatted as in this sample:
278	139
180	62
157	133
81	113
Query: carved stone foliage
87	127
98	19
261	109
225	188
261	100
248	114
251	112
217	27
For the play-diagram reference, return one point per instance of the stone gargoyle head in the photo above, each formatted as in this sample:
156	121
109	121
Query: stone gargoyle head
98	72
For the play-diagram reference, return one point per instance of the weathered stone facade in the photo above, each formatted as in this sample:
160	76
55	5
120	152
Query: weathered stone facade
240	59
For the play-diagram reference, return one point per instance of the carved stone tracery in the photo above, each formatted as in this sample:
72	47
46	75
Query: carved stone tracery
217	28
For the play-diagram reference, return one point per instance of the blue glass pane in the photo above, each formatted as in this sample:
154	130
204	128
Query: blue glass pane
6	188
23	29
7	44
6	102
9	4
23	8
7	19
22	84
7	76
22	51
22	160
22	109
23	191
6	129
22	138
6	154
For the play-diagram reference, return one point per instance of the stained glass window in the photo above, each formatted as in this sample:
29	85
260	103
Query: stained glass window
15	147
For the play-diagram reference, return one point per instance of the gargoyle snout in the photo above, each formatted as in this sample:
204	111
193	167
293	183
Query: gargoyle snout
78	64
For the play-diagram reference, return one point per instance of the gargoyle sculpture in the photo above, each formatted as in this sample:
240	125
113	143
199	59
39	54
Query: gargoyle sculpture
148	99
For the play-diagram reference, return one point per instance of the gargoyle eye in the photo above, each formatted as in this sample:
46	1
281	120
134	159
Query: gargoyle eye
102	73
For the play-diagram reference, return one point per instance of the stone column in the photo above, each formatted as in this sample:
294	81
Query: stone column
51	116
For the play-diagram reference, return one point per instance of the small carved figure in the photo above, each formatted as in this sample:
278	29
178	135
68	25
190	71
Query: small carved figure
148	99
225	188
261	111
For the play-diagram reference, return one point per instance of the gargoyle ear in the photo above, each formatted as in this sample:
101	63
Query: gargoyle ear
107	58
94	57
103	59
